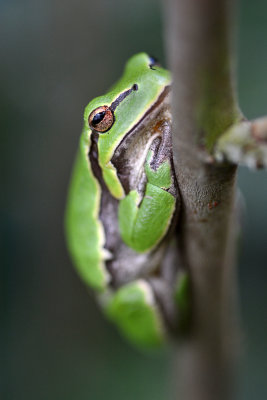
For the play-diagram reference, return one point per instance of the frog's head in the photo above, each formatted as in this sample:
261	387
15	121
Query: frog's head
139	87
118	114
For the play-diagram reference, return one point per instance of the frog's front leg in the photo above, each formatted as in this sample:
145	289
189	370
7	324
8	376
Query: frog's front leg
144	221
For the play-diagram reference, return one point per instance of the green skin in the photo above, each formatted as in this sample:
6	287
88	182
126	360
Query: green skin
143	222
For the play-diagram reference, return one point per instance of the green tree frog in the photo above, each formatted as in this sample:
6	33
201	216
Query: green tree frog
123	202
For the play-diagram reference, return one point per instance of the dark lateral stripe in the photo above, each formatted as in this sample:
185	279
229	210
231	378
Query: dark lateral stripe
93	157
122	96
105	198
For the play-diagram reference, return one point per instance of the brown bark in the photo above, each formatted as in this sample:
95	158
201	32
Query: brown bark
204	107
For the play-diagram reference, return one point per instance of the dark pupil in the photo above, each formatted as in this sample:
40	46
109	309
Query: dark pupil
98	118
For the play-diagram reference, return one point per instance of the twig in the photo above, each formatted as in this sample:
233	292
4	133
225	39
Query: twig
244	143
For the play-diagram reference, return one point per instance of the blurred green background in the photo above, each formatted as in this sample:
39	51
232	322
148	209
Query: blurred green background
55	57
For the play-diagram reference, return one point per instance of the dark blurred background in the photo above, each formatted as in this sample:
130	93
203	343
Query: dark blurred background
55	57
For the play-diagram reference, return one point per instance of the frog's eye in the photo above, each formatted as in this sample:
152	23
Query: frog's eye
101	119
153	62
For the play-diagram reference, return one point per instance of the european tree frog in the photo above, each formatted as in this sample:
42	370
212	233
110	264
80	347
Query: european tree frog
123	202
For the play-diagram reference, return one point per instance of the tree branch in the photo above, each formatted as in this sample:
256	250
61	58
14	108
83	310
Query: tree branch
204	107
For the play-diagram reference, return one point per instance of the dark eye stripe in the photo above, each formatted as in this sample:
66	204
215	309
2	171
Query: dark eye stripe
122	96
102	118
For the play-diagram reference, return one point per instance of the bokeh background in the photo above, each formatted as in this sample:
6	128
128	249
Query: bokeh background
55	57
